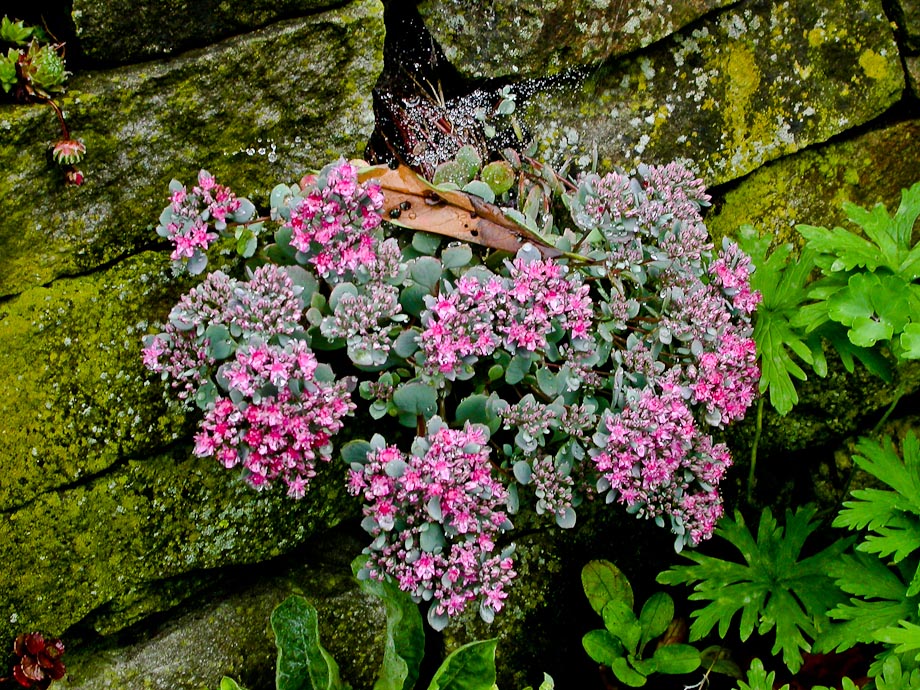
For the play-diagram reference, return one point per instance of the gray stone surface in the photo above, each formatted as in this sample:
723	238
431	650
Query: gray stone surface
755	82
123	31
226	631
254	110
525	38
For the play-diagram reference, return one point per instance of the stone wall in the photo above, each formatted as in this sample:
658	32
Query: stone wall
789	107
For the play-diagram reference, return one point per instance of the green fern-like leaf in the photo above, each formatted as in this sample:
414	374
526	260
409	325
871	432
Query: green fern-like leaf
772	589
888	244
869	281
906	636
892	517
878	600
758	678
781	283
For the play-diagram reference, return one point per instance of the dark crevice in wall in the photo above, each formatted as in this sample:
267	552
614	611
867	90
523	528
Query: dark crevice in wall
55	17
421	100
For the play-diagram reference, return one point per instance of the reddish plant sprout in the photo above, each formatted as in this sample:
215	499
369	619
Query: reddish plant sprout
435	516
39	660
68	152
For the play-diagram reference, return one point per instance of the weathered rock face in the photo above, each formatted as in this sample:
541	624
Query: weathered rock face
254	110
812	186
106	514
753	83
104	509
79	399
536	39
122	31
907	15
228	631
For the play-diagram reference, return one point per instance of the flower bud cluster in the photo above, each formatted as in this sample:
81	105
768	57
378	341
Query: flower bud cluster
485	311
332	224
364	320
265	306
277	419
179	353
652	457
434	516
186	221
683	356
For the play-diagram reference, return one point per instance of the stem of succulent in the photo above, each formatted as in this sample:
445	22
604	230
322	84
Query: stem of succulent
898	394
65	132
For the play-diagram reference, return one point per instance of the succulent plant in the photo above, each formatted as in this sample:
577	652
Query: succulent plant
42	69
39	660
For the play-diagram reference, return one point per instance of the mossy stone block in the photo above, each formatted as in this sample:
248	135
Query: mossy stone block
226	631
101	541
811	186
754	82
254	110
77	398
535	39
123	31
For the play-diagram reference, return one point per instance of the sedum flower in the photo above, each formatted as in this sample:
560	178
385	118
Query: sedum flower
435	516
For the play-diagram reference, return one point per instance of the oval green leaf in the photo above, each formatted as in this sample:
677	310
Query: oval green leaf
470	667
603	582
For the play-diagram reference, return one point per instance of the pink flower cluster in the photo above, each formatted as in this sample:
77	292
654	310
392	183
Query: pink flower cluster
180	352
332	224
731	272
459	326
185	220
724	381
677	189
267	305
654	459
518	312
435	516
277	419
538	293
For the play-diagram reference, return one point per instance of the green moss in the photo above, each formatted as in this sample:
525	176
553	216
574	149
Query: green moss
122	31
254	110
811	186
103	542
77	397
